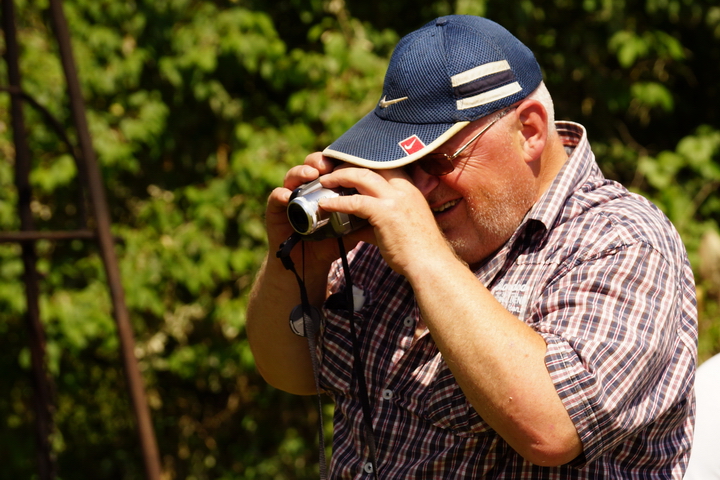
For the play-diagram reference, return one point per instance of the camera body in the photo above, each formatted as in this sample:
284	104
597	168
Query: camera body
309	220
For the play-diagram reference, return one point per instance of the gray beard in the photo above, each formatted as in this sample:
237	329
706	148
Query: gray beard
498	220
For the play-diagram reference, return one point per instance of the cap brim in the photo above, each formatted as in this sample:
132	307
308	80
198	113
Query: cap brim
375	143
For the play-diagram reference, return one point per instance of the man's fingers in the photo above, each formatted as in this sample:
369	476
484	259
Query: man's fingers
315	165
320	163
367	182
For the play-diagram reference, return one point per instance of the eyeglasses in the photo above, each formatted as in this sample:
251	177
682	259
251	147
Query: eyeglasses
439	164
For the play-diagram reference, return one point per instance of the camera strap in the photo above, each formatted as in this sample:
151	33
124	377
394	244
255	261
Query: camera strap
305	322
357	363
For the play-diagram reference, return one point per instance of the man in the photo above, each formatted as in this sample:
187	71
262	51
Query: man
518	315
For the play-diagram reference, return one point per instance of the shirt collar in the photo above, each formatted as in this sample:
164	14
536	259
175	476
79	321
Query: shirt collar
577	169
543	215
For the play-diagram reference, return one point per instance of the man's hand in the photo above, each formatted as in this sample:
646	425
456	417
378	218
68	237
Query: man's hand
403	226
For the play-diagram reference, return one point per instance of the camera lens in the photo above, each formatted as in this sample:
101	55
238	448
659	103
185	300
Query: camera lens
298	218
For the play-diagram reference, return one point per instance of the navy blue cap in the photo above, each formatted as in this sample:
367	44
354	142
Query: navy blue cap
441	77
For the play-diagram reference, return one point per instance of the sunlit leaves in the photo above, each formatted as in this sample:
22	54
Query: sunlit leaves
686	182
652	94
631	47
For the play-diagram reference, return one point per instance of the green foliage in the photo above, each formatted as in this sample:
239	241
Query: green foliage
196	109
685	184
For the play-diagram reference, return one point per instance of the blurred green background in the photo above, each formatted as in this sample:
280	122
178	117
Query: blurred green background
196	109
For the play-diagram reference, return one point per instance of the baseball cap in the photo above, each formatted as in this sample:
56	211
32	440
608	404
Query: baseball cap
453	70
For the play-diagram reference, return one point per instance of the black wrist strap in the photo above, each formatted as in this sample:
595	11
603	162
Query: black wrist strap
305	321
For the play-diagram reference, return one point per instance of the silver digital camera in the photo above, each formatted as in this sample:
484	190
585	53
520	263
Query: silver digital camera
309	220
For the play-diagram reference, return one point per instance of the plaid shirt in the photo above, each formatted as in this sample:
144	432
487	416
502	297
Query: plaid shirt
602	275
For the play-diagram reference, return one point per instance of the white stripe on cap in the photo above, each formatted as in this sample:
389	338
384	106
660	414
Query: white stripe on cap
479	72
488	97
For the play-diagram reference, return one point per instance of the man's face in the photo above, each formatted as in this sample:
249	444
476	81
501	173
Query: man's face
481	203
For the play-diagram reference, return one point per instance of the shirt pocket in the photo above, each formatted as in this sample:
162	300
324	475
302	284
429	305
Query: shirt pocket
447	407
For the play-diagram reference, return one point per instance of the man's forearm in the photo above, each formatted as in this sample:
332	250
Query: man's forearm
281	357
497	360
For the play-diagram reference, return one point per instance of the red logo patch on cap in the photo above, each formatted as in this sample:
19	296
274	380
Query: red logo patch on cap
412	144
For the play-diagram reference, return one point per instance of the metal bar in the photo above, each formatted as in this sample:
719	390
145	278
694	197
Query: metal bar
42	397
32	235
141	410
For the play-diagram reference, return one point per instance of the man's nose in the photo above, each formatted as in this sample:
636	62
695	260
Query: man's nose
424	182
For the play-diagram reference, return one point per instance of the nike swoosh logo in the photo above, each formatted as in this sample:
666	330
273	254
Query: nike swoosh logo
410	145
386	103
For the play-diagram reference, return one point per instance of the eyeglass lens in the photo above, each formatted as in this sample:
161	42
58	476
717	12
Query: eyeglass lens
438	164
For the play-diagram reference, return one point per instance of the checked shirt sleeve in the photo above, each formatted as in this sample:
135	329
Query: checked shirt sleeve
619	352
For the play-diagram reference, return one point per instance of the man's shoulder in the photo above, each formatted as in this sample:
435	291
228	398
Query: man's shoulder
604	215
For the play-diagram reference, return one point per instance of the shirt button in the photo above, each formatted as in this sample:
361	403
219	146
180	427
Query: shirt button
387	394
409	321
368	467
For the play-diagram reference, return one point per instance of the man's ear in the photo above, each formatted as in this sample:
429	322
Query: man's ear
533	118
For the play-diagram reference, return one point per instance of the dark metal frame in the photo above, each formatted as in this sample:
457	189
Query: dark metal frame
89	175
